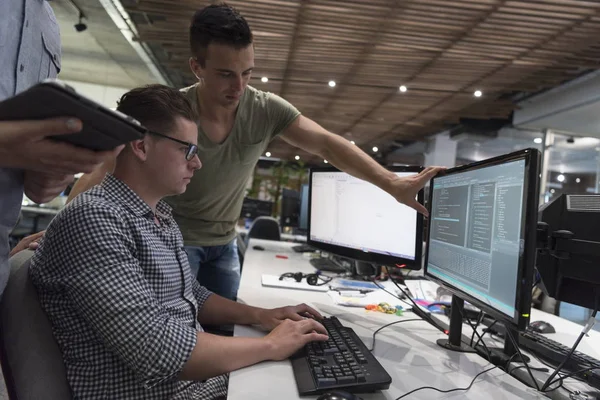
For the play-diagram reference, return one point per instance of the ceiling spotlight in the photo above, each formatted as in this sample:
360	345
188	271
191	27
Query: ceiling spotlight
80	26
375	149
403	88
268	154
325	161
331	83
264	79
552	191
560	178
297	158
537	140
353	142
477	93
577	180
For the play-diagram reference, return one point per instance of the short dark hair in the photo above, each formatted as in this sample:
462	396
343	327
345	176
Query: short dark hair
156	107
218	23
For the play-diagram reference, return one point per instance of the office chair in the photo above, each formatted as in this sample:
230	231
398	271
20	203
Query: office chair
31	360
264	228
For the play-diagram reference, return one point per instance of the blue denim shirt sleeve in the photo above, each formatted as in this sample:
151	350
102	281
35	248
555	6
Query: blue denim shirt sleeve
29	53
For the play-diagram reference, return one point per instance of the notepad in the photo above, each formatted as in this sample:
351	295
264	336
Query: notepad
290	283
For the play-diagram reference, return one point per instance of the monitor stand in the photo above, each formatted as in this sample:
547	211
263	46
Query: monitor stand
454	341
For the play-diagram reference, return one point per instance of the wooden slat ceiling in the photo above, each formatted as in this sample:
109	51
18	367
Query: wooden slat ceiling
441	50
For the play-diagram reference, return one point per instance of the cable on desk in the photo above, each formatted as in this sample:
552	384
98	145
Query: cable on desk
390	324
479	320
584	331
487	330
540	369
516	346
450	390
572	374
479	337
427	317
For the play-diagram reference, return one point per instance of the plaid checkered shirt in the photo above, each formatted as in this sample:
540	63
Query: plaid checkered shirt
123	304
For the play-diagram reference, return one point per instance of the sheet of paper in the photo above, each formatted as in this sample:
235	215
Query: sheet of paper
289	283
356	299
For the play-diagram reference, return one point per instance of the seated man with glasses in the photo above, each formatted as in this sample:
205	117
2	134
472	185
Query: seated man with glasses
113	277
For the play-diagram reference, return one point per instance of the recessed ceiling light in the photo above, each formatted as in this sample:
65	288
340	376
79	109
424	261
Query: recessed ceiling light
552	191
331	83
264	79
537	140
325	161
353	142
297	158
560	178
375	149
477	93
577	180
403	88
268	154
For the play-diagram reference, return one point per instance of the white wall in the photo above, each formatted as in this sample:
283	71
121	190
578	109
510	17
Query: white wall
105	95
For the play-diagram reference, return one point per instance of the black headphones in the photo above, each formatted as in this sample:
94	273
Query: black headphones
311	279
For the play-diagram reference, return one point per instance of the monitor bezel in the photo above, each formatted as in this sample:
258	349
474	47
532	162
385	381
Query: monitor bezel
528	233
359	255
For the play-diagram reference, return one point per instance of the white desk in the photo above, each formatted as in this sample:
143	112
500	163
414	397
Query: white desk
407	351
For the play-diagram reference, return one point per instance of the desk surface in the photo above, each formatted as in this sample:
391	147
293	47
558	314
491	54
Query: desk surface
407	351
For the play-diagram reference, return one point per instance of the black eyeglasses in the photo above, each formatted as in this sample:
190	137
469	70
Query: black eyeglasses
192	149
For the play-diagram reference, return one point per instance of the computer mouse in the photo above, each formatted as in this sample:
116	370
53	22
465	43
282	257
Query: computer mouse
258	248
338	395
541	327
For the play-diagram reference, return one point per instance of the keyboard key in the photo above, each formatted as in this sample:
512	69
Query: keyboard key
361	378
346	379
326	381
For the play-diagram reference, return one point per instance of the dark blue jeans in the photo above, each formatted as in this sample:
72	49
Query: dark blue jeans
216	267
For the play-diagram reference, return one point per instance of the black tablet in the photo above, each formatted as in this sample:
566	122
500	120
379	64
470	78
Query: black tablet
103	128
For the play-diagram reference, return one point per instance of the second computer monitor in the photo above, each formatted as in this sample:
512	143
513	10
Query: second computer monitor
482	231
303	221
353	218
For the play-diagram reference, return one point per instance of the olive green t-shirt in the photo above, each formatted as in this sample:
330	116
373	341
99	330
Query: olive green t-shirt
210	207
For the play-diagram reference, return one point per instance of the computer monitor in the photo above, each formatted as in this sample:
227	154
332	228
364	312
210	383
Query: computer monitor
303	222
290	208
569	256
352	218
254	208
482	235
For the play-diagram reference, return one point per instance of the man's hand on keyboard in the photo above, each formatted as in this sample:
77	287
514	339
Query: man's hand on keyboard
269	319
290	336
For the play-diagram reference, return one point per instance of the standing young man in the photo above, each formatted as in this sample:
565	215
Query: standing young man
237	123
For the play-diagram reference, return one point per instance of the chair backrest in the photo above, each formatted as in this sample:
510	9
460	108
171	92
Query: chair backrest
264	228
31	360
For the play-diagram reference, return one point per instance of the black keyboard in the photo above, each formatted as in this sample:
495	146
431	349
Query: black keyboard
303	248
324	264
555	353
343	362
